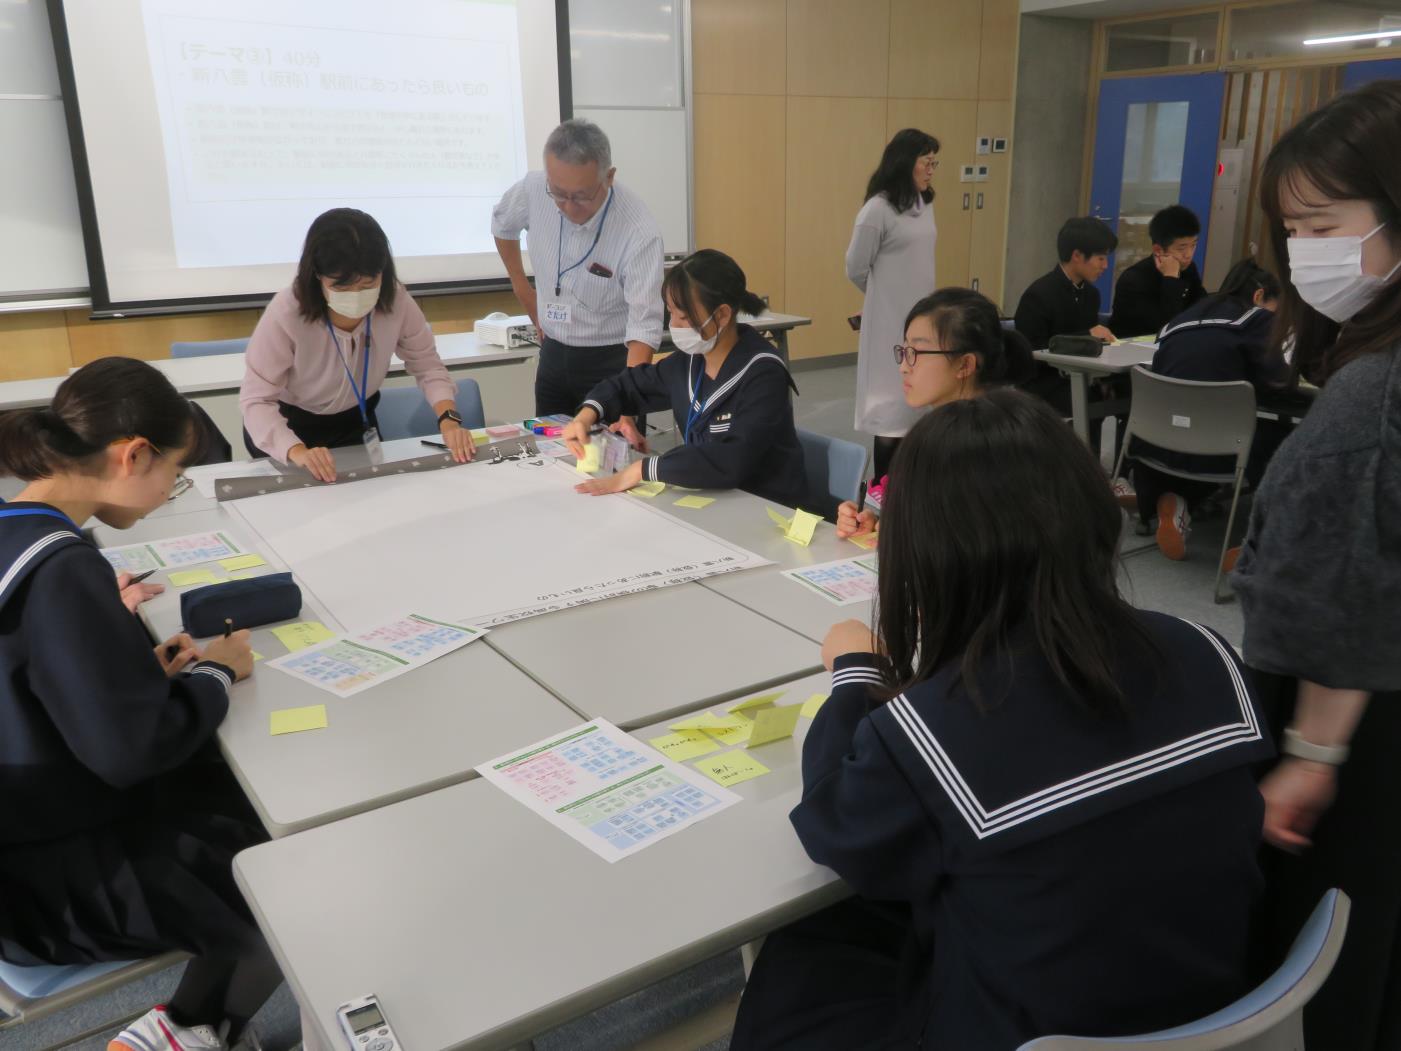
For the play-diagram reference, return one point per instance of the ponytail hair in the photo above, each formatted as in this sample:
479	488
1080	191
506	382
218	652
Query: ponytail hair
966	321
107	401
1245	279
707	280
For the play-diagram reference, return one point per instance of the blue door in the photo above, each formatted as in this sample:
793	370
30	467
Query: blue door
1355	74
1155	144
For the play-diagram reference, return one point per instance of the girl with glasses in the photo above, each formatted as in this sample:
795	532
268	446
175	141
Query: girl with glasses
954	347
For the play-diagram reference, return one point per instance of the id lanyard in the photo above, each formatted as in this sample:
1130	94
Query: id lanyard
364	372
559	255
694	413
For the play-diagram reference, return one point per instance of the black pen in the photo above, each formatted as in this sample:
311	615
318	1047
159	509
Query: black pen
139	577
861	498
434	445
228	627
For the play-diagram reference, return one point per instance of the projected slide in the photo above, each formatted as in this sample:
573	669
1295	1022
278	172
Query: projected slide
268	113
215	133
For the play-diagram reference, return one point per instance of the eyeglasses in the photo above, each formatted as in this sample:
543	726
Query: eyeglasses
180	488
931	164
909	355
573	198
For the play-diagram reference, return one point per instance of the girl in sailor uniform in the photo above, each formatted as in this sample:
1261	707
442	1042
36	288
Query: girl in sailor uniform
121	821
1042	798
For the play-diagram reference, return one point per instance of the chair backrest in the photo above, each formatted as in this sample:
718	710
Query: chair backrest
1268	1019
1191	416
30	993
208	347
402	412
834	467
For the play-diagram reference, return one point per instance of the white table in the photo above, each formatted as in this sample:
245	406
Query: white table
478	924
412	734
1115	359
740	518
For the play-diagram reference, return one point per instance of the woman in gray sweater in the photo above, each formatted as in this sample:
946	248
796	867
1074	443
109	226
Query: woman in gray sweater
1319	576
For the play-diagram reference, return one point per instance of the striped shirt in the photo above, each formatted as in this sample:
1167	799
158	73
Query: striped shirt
603	310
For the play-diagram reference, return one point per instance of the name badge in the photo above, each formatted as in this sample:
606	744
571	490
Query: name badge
558	313
372	446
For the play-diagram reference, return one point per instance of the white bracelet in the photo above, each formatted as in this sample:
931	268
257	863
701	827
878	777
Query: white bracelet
1328	754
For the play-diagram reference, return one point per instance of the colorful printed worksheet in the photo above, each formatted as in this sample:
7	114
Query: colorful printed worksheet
842	583
349	664
173	553
606	789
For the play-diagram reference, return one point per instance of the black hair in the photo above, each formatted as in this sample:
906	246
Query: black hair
999	518
895	175
106	401
1173	223
1349	149
1086	235
1245	279
707	280
967	321
343	244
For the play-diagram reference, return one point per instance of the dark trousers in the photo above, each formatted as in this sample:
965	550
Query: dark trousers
1356	846
333	430
1150	484
565	375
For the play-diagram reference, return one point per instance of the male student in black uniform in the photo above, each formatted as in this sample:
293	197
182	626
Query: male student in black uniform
1160	286
1066	302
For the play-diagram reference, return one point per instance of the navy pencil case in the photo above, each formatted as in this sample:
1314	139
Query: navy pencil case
248	603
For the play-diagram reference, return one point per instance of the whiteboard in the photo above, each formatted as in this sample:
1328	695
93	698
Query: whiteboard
484	544
631	74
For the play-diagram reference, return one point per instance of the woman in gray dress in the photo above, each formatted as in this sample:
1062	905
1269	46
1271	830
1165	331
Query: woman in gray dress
1319	577
891	259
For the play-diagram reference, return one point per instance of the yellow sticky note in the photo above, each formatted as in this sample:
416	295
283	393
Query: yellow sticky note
242	562
695	502
648	489
687	744
779	520
185	577
755	702
773	724
804	525
810	706
295	720
731	734
867	541
590	463
480	437
710	721
256	655
732	768
302	634
244	574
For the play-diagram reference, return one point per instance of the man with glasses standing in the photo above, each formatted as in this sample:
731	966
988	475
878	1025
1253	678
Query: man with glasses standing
597	256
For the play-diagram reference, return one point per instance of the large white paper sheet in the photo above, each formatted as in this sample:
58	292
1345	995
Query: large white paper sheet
606	789
482	545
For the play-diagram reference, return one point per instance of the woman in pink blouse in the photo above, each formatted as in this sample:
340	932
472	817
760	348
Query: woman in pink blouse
322	348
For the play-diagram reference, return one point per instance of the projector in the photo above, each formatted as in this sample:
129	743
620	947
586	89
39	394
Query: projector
505	330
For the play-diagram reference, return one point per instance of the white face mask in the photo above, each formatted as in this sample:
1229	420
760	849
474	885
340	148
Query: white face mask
690	340
1327	271
353	304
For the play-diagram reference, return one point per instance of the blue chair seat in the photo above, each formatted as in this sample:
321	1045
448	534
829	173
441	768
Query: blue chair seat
402	412
835	468
208	348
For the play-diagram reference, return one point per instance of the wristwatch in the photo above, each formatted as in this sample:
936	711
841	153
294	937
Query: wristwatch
450	414
1329	754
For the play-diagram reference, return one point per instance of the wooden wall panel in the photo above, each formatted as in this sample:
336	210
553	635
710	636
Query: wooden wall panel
930	52
997	70
741	195
33	345
822	205
954	124
150	338
838	47
988	250
737	47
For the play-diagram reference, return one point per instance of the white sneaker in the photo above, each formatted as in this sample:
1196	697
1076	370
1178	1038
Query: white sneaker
154	1031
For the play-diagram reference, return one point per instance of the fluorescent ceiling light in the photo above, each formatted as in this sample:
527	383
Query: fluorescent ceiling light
1352	38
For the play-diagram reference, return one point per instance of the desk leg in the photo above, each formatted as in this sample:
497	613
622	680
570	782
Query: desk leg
1080	404
780	338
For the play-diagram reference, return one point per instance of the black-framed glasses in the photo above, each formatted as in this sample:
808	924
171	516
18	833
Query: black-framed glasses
906	355
573	198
